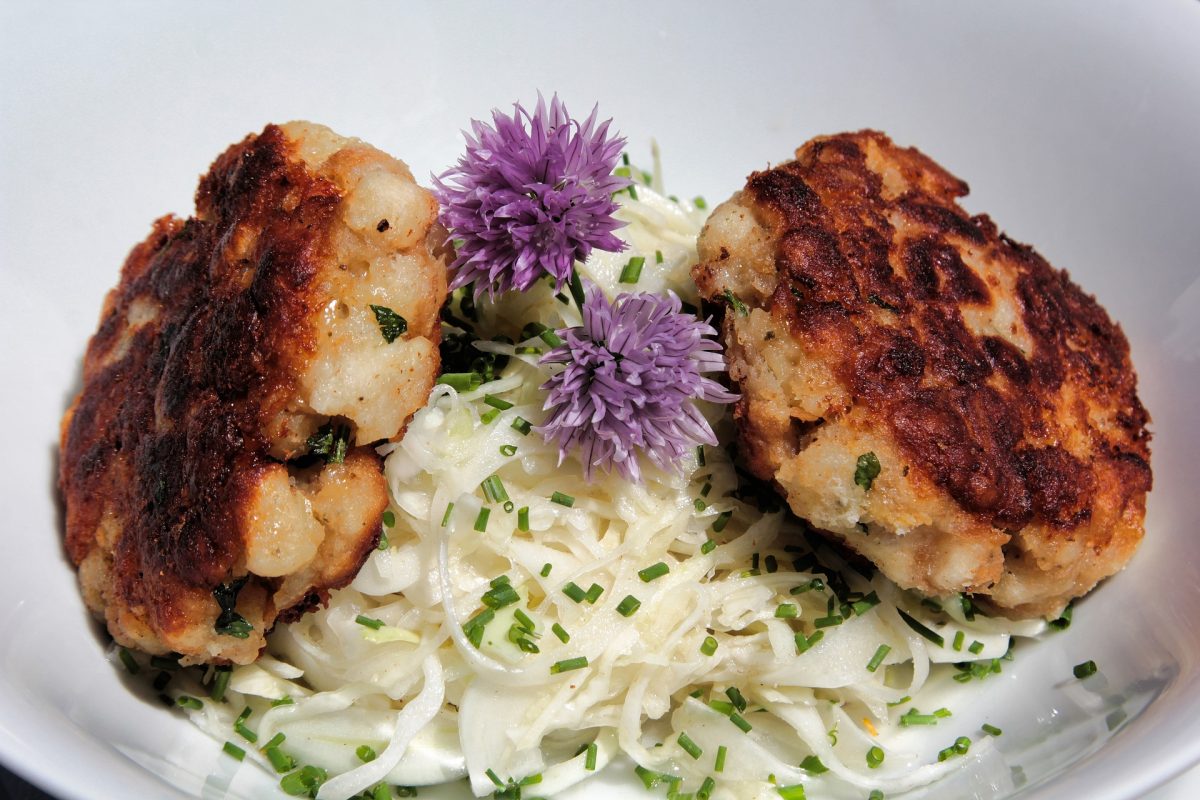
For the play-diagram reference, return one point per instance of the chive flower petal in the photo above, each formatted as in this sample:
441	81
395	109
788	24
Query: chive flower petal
532	195
631	374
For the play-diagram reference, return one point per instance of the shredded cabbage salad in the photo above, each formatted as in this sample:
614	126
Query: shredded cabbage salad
522	628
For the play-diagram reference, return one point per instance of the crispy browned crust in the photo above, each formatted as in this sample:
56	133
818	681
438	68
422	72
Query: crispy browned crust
198	351
875	266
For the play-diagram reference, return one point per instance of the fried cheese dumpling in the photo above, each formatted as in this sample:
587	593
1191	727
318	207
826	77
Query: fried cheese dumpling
217	467
920	386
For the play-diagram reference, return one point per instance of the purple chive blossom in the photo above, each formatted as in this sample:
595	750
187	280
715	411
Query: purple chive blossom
632	371
532	195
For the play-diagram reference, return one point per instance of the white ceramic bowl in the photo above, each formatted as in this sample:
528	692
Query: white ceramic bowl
1076	124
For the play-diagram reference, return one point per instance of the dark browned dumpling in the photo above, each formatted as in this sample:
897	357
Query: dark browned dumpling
217	467
871	324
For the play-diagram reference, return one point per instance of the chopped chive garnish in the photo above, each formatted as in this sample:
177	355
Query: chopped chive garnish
509	505
900	702
708	646
527	646
699	505
735	697
240	728
461	381
481	521
700	203
804	643
446	516
593	593
545	573
1085	670
876	794
562	499
689	747
494	778
589	761
493	489
487	416
162	662
771	564
369	622
523	520
721	707
914	717
719	765
976	647
700	455
658	257
500	596
865	604
721	521
276	740
129	661
523	618
942	713
828	621
220	683
931	635
740	721
795	792
473	628
959	638
629	606
383	541
815	585
508	450
706	788
572	590
1063	622
497	402
705	489
991	730
187	701
365	753
561	633
280	760
391	325
569	664
389	518
632	271
877	659
737	304
286	700
961	745
785	611
528	350
233	750
866	470
653	572
874	757
522	425
968	608
813	765
649	779
708	546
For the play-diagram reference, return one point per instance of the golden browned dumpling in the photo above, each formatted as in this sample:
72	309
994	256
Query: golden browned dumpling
930	392
217	467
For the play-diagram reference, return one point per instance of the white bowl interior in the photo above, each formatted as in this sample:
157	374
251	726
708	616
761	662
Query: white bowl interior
1075	123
